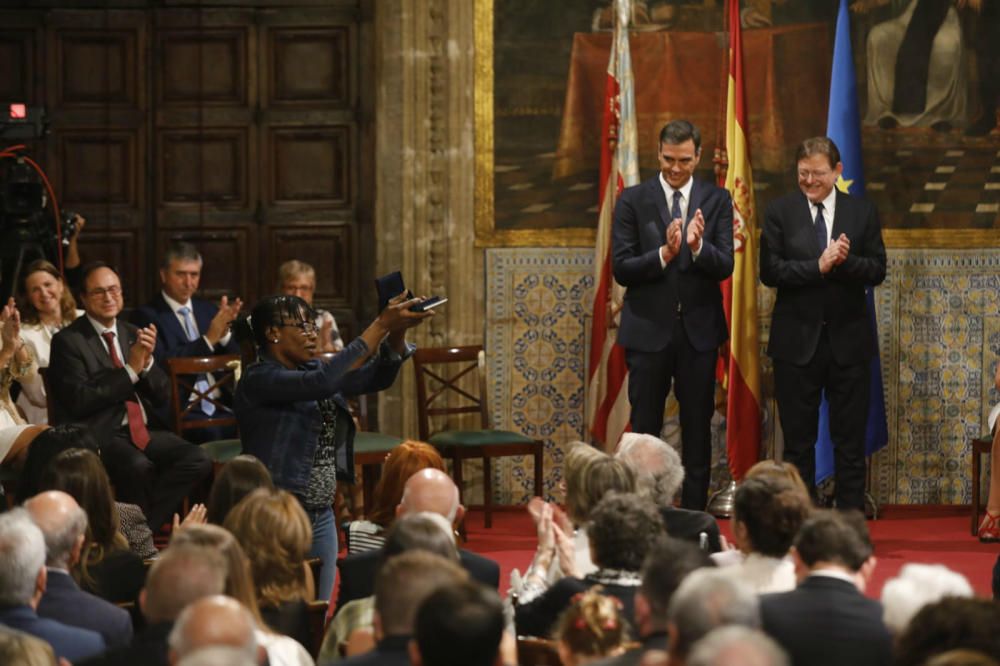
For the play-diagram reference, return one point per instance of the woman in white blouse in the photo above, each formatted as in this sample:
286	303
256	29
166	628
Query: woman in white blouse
46	306
16	364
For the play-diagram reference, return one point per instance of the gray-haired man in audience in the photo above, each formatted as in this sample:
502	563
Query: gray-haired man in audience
708	599
737	646
215	621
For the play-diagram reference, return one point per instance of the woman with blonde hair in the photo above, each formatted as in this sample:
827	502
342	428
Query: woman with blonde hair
46	306
591	629
274	531
17	363
281	650
400	464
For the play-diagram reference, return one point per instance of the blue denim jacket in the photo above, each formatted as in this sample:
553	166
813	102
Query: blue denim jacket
280	421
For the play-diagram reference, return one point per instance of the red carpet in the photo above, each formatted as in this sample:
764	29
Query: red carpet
903	534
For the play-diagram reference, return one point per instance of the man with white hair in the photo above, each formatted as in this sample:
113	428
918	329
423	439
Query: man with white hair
707	599
215	621
64	524
737	646
659	475
22	584
916	586
427	491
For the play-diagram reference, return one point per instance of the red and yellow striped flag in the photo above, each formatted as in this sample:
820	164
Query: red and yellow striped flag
607	383
739	293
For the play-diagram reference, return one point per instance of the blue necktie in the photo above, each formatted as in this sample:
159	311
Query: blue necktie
192	334
820	226
675	210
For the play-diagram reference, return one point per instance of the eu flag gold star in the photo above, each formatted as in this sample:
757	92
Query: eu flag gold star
844	185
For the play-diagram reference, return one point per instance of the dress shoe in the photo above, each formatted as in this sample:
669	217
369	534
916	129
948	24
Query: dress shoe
989	529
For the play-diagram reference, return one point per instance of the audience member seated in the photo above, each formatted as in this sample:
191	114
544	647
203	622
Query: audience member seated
430	491
216	655
297	278
274	532
915	586
17	363
400	464
52	442
783	471
707	599
17	647
422	531
281	650
737	646
767	514
590	629
404	581
667	564
622	530
107	567
989	529
103	375
238	478
459	624
188	326
950	624
293	411
64	524
47	305
22	583
962	658
179	577
215	621
658	477
588	475
827	620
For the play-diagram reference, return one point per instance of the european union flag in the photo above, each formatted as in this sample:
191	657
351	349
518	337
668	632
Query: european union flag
843	125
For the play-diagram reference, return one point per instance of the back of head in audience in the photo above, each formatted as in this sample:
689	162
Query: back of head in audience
217	655
239	582
668	563
431	490
179	577
962	658
403	583
425	531
402	463
736	646
50	443
458	624
657	467
22	560
768	512
773	469
591	627
275	533
63	524
915	586
238	478
623	528
214	621
833	538
705	600
950	624
20	649
590	479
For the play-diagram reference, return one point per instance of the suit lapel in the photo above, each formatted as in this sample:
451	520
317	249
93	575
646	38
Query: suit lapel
168	321
656	191
95	344
839	214
806	215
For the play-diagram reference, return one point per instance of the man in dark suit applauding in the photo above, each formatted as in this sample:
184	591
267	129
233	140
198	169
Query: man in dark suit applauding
821	248
188	326
672	244
103	376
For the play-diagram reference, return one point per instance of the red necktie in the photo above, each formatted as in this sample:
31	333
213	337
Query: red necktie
136	426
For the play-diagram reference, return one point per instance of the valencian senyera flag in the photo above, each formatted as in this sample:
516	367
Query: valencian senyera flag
843	125
741	362
607	393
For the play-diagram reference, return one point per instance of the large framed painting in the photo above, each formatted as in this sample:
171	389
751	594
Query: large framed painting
930	142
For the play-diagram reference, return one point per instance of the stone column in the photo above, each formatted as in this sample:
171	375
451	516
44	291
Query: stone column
424	221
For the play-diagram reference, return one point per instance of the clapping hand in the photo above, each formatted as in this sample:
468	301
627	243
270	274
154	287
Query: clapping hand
695	231
835	254
142	349
673	241
222	320
10	319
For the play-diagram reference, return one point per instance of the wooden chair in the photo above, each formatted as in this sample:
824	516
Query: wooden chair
317	625
458	445
184	373
977	448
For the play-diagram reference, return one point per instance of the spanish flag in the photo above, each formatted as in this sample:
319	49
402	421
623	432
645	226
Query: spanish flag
739	292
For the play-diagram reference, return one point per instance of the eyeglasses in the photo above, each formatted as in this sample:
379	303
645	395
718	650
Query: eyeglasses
100	292
307	327
815	175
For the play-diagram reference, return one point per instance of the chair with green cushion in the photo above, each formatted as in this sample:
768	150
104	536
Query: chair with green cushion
441	393
221	451
370	448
